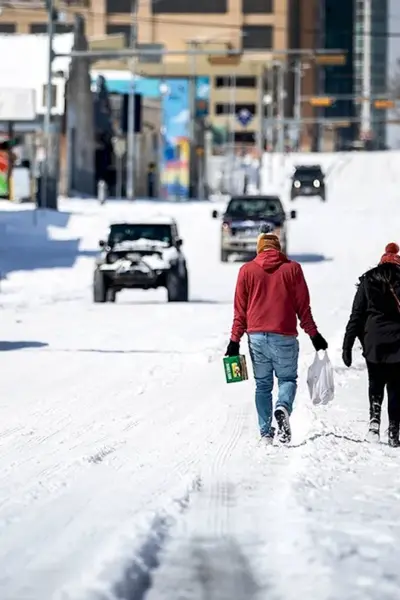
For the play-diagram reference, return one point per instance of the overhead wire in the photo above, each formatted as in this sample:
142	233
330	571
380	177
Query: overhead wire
168	20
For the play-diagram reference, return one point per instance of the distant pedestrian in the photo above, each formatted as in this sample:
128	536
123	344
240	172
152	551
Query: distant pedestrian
375	321
271	293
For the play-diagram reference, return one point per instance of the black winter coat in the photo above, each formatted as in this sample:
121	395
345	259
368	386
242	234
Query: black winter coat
375	317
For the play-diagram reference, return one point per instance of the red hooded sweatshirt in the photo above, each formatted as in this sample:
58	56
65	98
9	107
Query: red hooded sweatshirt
271	293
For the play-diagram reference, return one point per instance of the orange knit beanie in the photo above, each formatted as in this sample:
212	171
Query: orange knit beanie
268	241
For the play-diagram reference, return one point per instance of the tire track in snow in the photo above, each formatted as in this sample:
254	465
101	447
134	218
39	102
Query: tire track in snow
204	559
262	528
137	578
221	491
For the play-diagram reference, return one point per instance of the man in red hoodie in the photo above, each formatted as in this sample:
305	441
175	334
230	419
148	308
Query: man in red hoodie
271	294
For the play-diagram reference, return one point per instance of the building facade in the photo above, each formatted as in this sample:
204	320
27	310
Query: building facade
339	81
257	27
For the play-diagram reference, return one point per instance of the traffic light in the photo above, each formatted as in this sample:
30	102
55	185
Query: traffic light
324	101
124	113
7	145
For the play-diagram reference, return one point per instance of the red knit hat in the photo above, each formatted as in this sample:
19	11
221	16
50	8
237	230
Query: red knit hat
391	254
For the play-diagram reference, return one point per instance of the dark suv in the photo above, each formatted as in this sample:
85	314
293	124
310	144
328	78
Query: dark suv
241	223
141	255
308	181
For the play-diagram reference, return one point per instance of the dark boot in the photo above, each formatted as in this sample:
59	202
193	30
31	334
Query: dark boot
284	434
375	409
394	428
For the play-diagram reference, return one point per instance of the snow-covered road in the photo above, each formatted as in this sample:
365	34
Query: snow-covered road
128	467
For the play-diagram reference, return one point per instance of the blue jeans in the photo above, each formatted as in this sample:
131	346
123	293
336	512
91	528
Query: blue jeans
273	354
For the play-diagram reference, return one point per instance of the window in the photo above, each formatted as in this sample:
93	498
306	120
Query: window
59	28
224	108
7	28
245	137
189	6
258	7
239	82
257	37
122	28
132	233
119	6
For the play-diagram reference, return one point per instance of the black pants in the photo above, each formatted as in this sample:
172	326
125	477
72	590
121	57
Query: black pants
387	375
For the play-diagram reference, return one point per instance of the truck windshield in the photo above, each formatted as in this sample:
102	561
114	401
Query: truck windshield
132	233
256	207
308	173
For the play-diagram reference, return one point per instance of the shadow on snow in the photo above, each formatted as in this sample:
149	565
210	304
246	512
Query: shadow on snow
302	258
20	345
25	244
309	258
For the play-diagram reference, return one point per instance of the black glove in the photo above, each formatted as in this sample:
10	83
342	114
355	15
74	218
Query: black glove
232	349
319	342
347	357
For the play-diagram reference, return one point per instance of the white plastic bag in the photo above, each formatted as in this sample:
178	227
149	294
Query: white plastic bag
320	380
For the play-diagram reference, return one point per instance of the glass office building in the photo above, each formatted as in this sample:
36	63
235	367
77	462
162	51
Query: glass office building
379	61
343	27
339	81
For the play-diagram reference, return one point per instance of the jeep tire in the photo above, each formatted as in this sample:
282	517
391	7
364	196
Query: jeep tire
99	287
111	295
177	287
224	256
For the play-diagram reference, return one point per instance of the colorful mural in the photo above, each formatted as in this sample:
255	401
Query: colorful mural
3	174
175	118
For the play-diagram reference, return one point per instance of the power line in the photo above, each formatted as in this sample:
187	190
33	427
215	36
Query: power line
167	20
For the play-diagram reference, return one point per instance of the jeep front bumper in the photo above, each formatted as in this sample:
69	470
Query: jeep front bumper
132	275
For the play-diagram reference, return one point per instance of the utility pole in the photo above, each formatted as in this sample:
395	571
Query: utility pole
366	78
298	73
232	124
260	111
193	171
270	118
131	154
281	105
49	97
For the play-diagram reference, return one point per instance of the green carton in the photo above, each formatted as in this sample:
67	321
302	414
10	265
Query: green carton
235	368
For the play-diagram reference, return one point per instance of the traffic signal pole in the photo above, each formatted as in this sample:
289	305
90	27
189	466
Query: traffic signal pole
131	154
47	116
366	124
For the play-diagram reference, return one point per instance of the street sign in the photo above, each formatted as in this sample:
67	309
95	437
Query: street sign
230	60
384	104
119	145
115	41
341	124
155	58
244	116
321	101
330	60
17	104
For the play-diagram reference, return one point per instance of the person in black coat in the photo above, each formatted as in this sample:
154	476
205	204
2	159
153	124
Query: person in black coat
375	321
